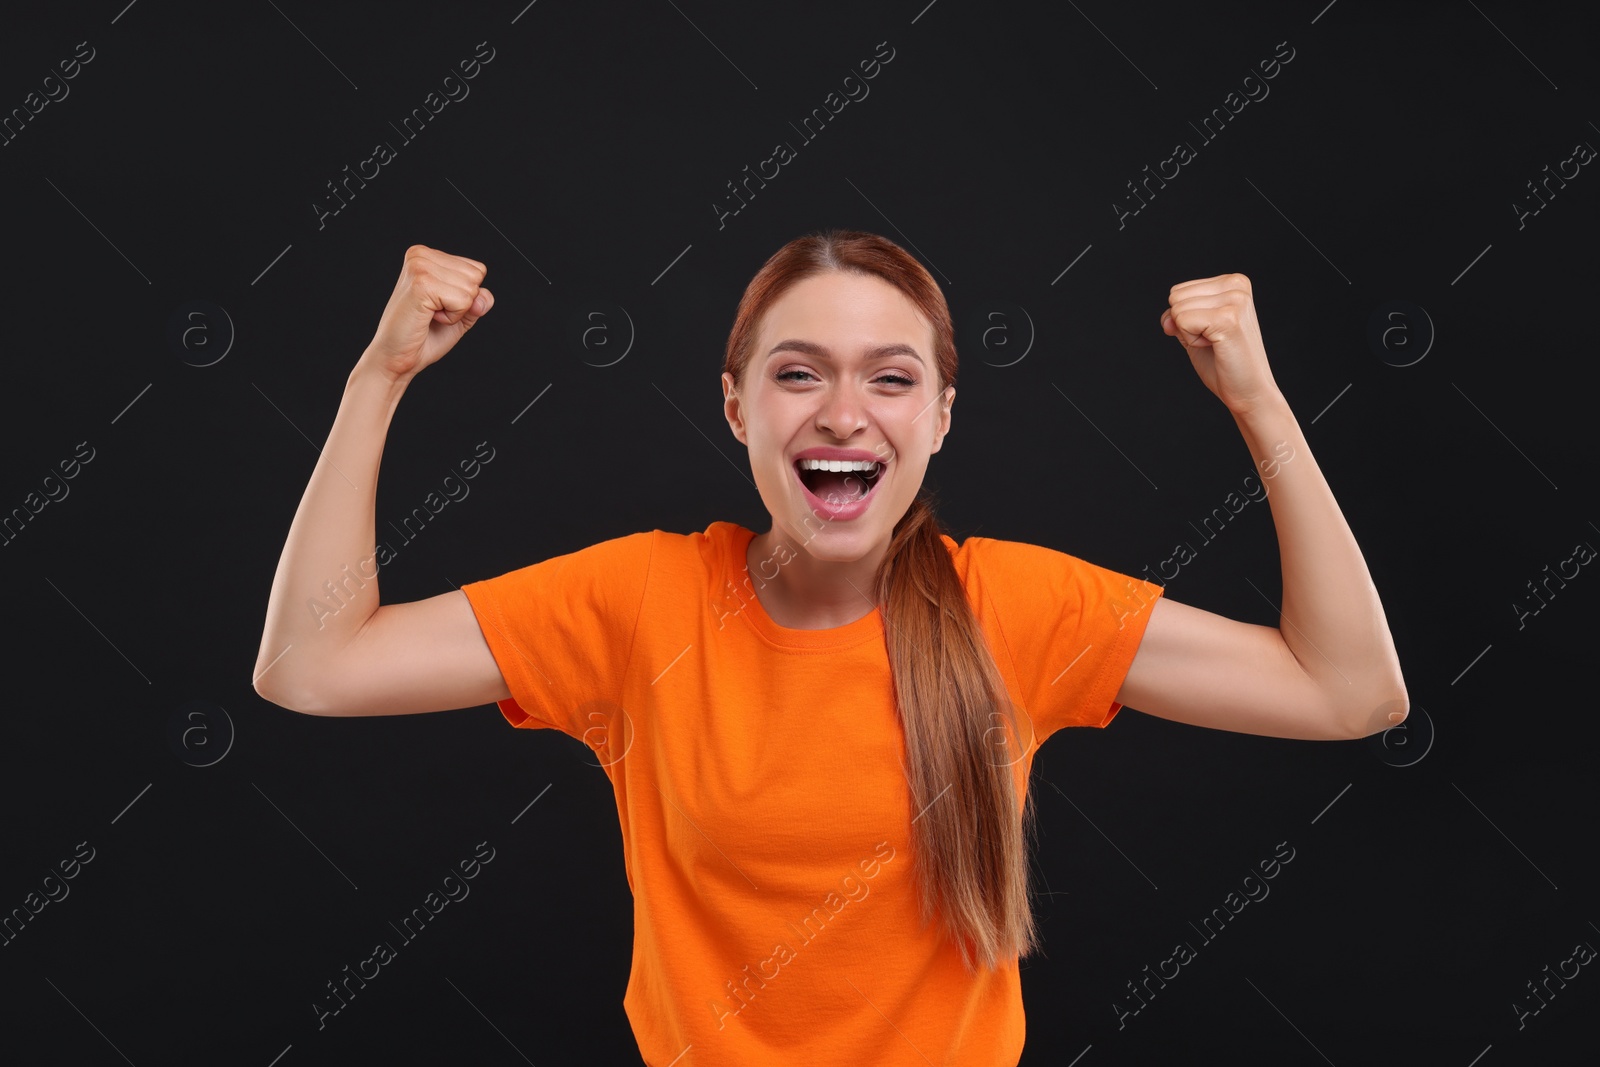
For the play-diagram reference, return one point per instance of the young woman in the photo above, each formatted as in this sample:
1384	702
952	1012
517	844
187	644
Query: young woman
820	736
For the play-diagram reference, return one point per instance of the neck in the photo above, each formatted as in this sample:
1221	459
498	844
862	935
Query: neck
802	592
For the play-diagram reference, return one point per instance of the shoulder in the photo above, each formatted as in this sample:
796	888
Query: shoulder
1001	557
714	551
713	548
666	544
1021	578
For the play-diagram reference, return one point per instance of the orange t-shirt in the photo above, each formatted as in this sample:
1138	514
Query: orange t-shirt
766	819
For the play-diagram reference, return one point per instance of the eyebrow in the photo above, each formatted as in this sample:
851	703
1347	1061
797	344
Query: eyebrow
811	348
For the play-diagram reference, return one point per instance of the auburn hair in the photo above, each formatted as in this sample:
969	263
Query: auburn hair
970	839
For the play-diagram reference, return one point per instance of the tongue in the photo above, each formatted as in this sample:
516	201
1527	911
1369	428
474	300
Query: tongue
838	485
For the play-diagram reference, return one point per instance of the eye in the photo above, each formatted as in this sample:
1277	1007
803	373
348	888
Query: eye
891	377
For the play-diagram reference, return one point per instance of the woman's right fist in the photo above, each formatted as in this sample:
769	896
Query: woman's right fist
438	298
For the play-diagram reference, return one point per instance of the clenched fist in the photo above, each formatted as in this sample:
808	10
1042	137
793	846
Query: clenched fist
1215	321
438	298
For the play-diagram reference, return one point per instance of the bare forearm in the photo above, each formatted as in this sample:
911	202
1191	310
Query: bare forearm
326	586
1331	617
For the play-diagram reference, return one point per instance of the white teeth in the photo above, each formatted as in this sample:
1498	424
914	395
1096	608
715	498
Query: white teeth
837	465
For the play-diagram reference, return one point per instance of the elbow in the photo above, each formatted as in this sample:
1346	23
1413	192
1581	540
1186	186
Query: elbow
289	695
294	683
274	694
1388	713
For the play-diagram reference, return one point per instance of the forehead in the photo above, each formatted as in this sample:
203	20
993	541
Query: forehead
848	310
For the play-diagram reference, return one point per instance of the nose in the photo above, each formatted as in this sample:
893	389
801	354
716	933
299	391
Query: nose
842	411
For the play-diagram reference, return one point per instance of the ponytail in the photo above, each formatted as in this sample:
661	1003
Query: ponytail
971	834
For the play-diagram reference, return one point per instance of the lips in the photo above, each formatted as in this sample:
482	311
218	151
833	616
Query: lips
837	500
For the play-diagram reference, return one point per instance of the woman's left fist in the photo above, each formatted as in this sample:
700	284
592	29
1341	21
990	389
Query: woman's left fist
1215	321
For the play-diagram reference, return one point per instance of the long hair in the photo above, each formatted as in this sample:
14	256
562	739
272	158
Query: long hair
970	838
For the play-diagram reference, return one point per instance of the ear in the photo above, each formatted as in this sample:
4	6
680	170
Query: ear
731	408
945	403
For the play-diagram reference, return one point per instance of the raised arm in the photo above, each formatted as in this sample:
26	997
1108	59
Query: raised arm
1329	669
328	648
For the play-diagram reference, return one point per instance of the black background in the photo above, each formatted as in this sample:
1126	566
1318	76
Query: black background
1435	873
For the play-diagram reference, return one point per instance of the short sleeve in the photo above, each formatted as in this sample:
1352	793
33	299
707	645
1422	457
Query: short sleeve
562	630
1070	627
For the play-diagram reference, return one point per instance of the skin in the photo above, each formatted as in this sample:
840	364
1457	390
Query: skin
825	567
1327	671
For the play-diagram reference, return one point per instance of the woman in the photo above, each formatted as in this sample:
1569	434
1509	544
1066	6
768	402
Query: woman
820	737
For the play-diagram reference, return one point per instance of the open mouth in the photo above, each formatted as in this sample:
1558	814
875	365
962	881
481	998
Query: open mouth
838	482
